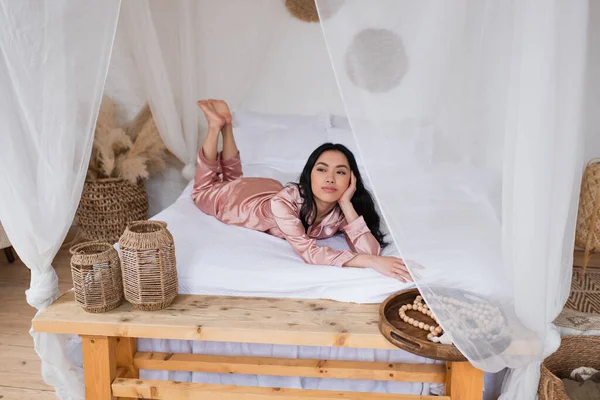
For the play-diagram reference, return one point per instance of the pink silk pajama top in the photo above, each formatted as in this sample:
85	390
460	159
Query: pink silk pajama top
264	205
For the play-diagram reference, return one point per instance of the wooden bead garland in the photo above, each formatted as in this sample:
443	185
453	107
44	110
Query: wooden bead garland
434	331
478	320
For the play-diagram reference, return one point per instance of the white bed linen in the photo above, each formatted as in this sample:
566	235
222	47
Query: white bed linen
214	258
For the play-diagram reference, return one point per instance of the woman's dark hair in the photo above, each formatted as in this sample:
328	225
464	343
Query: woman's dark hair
362	201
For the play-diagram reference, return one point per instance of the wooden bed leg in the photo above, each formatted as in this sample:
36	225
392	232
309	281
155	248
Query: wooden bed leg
463	381
99	366
125	351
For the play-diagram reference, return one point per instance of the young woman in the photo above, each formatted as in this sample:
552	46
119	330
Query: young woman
330	197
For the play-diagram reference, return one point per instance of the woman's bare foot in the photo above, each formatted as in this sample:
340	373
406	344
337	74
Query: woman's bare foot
222	109
215	120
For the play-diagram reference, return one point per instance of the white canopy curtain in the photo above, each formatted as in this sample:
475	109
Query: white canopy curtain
54	57
171	83
181	56
468	117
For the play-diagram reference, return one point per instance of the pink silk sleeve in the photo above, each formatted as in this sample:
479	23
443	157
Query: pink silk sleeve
360	239
207	172
286	211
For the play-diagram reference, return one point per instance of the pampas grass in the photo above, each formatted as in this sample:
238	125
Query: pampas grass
136	125
132	152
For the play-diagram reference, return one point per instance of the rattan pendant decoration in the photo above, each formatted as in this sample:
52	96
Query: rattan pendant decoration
306	10
148	263
587	234
96	273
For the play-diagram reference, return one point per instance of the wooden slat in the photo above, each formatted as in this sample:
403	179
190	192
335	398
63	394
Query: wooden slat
463	381
228	319
14	330
292	367
99	366
17	393
20	367
132	388
594	261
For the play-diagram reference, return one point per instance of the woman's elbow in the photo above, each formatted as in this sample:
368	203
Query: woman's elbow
321	259
371	248
378	250
307	259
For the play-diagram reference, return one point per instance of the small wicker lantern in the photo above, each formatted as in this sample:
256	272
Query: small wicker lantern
96	273
587	234
148	264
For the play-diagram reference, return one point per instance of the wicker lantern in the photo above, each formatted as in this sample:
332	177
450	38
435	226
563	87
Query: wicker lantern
96	273
148	264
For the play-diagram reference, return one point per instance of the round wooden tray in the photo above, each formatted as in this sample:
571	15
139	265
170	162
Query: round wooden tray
414	340
408	337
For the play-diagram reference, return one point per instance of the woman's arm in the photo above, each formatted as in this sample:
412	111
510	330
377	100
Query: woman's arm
358	235
286	212
349	212
388	266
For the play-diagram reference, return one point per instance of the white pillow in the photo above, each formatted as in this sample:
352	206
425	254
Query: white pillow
345	137
339	121
287	149
413	136
245	118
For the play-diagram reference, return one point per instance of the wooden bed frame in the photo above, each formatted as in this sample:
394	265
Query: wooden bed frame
112	362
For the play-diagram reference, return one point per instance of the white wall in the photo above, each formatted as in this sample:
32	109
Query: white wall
296	76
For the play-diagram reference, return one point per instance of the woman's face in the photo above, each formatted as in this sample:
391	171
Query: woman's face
330	176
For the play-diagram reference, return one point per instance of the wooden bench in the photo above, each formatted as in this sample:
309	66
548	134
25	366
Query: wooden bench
112	362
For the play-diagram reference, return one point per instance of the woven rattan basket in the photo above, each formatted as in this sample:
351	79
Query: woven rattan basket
574	352
148	264
108	205
587	234
96	273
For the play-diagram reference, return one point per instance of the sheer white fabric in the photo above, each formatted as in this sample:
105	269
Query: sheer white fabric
53	62
181	57
170	82
468	119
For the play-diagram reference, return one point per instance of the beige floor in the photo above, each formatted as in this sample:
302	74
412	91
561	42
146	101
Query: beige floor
20	375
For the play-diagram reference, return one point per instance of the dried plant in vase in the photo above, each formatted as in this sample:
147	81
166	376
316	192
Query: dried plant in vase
132	152
114	193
